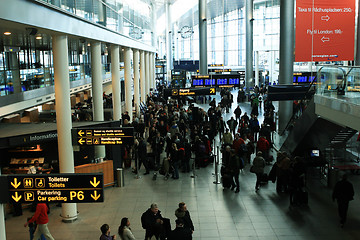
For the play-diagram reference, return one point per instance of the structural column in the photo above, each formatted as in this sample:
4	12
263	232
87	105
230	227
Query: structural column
127	75
257	68
152	65
2	220
249	79
63	116
142	76
357	53
115	78
97	91
168	40
203	38
136	57
153	25
15	71
287	33
147	73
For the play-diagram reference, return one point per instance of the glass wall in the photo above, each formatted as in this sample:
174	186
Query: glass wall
129	17
226	36
31	66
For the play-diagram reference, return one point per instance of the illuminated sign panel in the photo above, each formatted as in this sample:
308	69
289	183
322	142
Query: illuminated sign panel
66	188
325	30
105	136
217	80
189	91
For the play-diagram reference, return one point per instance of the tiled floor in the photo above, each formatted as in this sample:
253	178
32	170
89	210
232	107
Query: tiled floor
216	213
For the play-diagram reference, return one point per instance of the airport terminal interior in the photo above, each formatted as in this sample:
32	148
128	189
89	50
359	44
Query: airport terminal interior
86	87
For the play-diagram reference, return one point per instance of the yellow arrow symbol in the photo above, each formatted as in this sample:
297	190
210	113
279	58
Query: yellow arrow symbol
17	197
81	141
95	196
16	184
94	183
81	133
212	90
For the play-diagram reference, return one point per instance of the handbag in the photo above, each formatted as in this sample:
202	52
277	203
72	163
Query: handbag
252	169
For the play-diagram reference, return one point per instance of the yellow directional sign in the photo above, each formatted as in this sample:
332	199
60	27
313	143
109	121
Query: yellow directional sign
104	136
16	184
66	188
16	197
81	133
94	183
28	182
81	141
212	90
95	196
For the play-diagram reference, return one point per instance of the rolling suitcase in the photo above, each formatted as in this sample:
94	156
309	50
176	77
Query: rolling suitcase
226	180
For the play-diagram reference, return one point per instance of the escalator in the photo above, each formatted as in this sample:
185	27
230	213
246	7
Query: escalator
310	131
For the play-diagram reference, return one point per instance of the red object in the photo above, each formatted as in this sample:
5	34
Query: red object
237	143
263	144
325	30
40	216
358	139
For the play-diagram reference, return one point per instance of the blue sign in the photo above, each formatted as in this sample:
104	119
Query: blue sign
209	82
221	81
198	82
234	81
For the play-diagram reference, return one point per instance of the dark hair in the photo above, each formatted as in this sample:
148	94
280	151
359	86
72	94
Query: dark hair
122	225
104	228
36	161
181	204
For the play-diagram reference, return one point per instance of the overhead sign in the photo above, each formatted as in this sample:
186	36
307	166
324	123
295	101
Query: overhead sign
288	92
189	91
216	80
105	136
66	188
324	30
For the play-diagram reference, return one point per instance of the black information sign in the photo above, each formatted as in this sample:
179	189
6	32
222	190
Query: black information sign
105	136
189	91
66	188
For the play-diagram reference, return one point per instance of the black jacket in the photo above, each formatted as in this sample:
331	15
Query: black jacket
148	219
180	233
185	216
343	191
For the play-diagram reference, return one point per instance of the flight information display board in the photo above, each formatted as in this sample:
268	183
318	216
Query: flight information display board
47	188
105	136
218	80
304	77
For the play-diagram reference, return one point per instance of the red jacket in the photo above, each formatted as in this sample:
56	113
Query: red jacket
40	216
263	144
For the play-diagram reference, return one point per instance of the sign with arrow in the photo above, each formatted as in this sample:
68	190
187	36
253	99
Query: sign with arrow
325	30
104	136
66	188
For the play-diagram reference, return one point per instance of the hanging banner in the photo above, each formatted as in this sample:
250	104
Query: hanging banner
325	30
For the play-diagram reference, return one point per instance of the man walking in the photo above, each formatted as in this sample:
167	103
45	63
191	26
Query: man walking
343	193
183	214
41	218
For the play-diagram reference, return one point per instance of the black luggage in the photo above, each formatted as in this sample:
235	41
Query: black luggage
226	180
300	198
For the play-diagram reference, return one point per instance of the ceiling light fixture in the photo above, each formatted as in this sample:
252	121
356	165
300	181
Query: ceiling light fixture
38	37
7	33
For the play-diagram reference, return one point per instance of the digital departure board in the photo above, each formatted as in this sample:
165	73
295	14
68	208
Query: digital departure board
304	77
47	188
105	136
209	82
198	82
217	80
